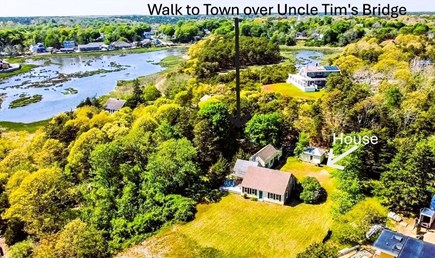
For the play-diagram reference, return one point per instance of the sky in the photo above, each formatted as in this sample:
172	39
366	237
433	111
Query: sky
13	8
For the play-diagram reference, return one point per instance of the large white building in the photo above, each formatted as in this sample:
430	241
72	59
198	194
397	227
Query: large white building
312	78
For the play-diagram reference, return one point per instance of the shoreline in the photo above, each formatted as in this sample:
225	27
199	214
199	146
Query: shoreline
19	125
33	126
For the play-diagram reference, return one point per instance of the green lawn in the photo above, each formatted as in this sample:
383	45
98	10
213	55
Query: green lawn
24	69
28	127
290	90
236	227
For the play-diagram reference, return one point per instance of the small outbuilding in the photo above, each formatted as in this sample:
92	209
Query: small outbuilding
113	105
313	155
267	156
427	217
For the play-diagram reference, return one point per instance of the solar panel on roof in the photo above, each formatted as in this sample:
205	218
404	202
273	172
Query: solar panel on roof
331	68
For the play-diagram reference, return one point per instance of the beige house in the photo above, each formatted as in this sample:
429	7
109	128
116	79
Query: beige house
267	185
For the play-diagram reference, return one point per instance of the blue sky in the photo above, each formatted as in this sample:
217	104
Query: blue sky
119	7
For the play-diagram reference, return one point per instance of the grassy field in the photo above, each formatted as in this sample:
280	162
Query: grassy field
236	227
28	127
24	69
290	90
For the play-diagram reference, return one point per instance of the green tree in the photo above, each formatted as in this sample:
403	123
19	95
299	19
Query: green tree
151	93
22	249
312	191
264	129
80	240
44	202
173	169
319	250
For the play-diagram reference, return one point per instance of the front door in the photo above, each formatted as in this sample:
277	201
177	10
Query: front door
260	196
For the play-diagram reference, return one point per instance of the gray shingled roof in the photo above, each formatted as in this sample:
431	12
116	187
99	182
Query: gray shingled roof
114	104
241	167
267	153
268	180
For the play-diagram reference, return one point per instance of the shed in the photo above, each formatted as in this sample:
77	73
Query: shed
427	217
267	156
313	155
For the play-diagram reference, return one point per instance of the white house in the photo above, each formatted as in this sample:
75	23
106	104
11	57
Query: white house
267	156
38	48
267	185
312	78
313	155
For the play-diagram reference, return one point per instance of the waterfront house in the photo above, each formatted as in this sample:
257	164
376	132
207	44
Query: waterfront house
267	185
94	46
38	48
148	34
113	105
267	156
391	244
312	78
68	46
121	45
313	155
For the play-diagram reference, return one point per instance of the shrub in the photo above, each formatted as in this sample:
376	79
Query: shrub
351	227
312	191
253	198
318	250
22	249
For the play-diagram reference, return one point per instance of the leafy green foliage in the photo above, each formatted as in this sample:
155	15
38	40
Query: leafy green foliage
173	169
44	201
352	227
22	249
215	54
319	250
264	129
312	191
77	239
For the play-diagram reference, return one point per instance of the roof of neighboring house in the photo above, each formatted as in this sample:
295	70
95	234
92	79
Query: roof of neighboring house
114	104
121	44
266	153
268	180
241	167
402	246
205	97
92	44
332	68
314	151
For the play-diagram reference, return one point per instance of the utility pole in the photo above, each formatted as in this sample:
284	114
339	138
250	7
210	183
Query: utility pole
237	63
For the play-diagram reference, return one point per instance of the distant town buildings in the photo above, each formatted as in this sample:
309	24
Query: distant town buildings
68	47
94	46
148	34
312	78
121	45
38	48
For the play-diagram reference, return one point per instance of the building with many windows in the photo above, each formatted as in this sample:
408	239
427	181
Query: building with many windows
312	78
